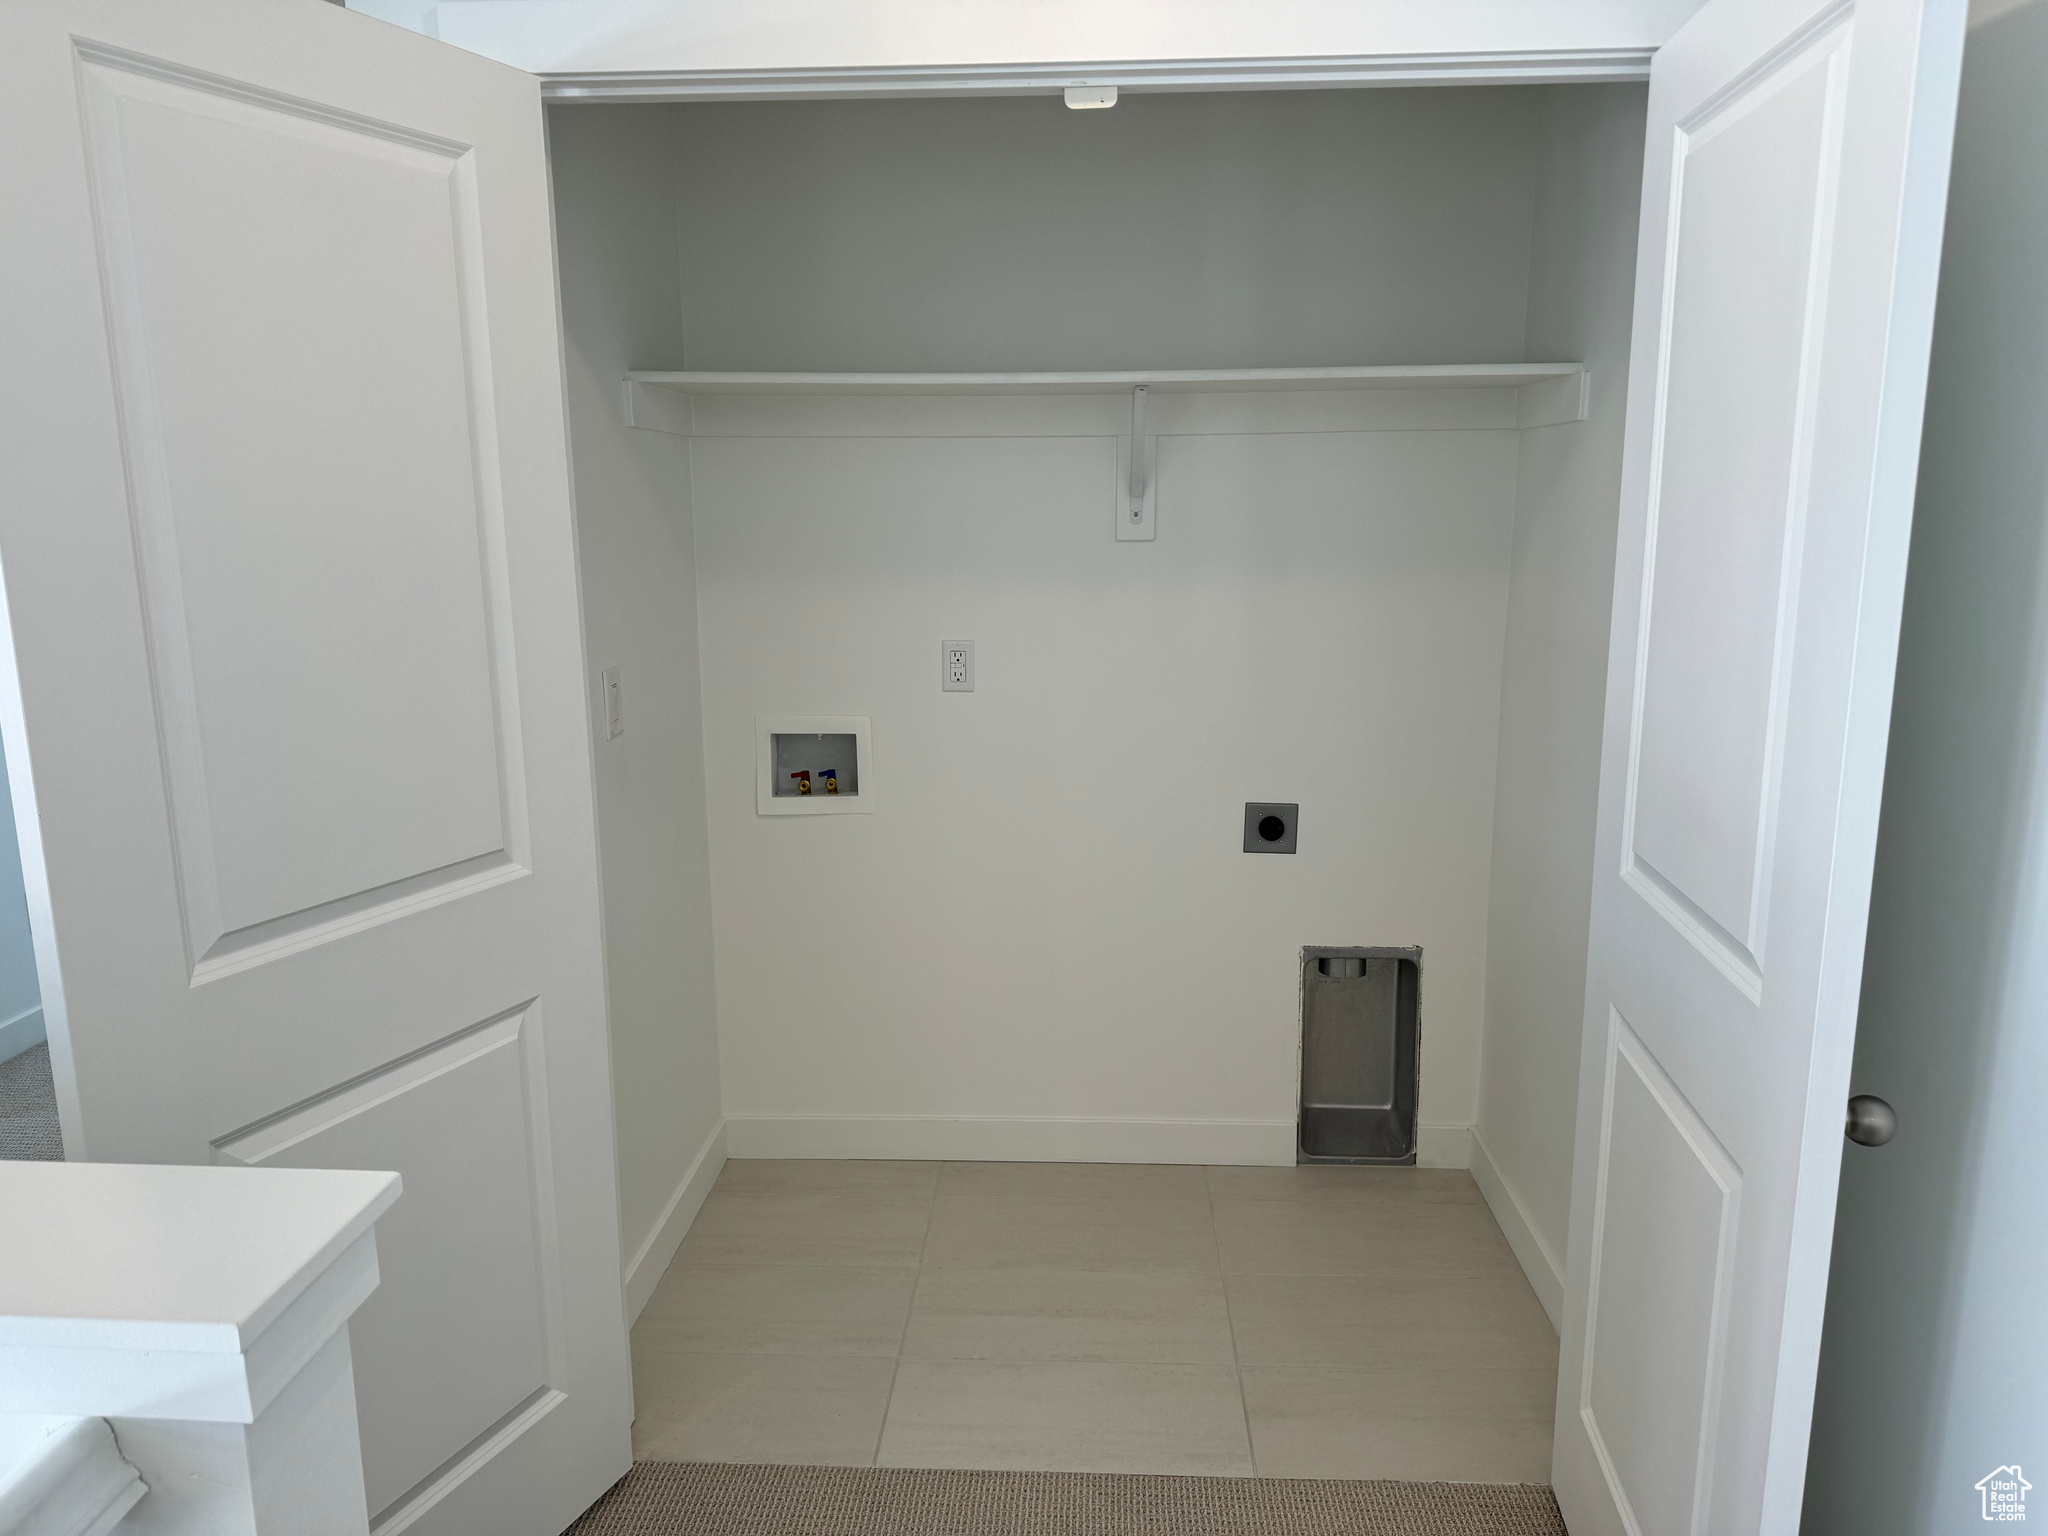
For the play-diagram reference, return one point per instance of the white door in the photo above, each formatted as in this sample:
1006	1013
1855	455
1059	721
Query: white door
1792	207
295	711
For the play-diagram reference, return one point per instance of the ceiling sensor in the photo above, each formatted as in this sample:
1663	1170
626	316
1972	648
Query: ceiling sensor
1086	98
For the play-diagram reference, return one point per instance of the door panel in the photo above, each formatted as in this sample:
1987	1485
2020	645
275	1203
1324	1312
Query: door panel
318	616
294	709
458	1335
1751	206
1793	189
1658	1290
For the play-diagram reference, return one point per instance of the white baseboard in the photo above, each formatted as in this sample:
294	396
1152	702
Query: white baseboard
645	1269
21	1032
1546	1274
1019	1139
1443	1146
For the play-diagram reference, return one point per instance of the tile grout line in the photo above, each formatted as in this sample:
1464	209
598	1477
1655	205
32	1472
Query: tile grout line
896	1360
888	1402
1244	1411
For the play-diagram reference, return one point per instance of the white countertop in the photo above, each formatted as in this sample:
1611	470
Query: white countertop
169	1257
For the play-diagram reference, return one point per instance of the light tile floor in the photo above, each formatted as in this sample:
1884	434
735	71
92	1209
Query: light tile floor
1287	1322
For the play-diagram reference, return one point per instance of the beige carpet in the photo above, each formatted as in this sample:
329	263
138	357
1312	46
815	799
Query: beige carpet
28	1108
705	1499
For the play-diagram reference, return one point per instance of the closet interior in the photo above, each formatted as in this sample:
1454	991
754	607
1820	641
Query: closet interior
1262	450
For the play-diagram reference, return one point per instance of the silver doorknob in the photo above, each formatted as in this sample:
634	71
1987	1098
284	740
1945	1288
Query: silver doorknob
1871	1121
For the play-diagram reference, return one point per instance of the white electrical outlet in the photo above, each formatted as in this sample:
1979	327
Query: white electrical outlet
614	712
956	666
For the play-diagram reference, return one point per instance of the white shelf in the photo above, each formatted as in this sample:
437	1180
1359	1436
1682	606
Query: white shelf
1183	401
1189	381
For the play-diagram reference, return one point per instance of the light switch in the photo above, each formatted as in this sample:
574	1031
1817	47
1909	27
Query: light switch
614	716
956	664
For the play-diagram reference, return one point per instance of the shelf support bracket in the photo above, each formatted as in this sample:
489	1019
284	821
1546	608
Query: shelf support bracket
1137	513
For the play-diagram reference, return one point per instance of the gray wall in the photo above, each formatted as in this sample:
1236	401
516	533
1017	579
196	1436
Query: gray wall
1934	1366
616	242
1174	231
1553	688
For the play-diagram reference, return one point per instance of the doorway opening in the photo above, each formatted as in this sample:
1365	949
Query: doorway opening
1005	1075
